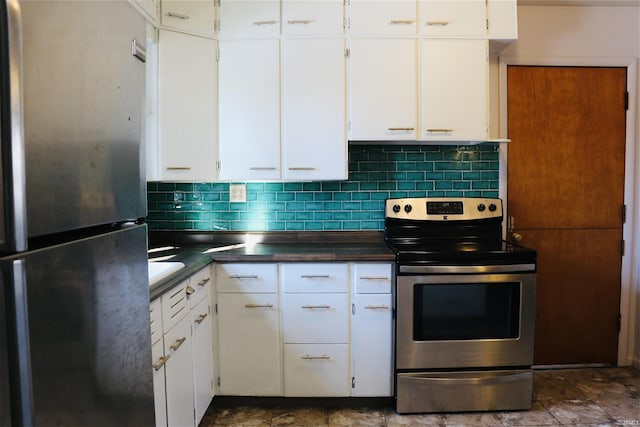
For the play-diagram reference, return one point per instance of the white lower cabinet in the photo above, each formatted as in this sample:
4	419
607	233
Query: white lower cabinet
371	330
203	374
249	349
304	329
179	374
371	345
182	351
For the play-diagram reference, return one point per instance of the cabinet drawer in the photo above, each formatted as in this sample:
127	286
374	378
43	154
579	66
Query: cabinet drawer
312	17
174	305
316	370
199	285
155	312
189	16
444	18
255	278
316	318
372	278
315	277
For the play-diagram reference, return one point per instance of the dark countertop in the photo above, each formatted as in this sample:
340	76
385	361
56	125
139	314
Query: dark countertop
196	249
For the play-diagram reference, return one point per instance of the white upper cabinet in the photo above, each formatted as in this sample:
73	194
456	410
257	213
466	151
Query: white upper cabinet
452	18
150	9
454	98
187	107
383	89
191	16
249	109
312	17
502	16
314	109
375	17
247	19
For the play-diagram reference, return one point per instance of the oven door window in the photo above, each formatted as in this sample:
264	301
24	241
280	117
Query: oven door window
466	311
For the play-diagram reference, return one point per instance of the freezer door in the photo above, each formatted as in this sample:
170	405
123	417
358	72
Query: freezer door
83	90
88	339
5	410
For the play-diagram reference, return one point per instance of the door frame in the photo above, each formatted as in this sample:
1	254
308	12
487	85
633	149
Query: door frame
630	274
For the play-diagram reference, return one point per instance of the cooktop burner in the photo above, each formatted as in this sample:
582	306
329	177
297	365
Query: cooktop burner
450	230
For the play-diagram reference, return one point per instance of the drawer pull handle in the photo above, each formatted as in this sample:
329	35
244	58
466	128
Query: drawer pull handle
309	357
315	276
299	21
400	129
201	318
204	281
178	168
437	23
302	169
377	307
241	277
176	345
439	130
258	305
161	362
374	278
265	23
311	307
177	15
260	168
401	21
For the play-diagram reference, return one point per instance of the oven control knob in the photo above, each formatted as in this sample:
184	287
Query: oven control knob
407	208
396	208
481	207
492	207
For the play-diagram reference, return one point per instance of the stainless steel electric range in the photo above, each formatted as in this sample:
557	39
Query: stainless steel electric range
465	302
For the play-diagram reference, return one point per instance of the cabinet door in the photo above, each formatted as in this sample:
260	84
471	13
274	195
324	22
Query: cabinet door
314	140
248	19
159	393
188	108
312	17
316	370
202	358
383	89
387	17
372	278
502	17
316	318
451	18
454	98
192	16
371	345
249	344
249	110
179	374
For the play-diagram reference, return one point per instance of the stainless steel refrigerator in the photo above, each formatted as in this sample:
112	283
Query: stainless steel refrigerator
74	303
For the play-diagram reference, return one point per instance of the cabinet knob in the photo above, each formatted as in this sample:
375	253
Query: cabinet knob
190	290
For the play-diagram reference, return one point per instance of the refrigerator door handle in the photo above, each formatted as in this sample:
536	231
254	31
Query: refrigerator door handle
24	404
15	225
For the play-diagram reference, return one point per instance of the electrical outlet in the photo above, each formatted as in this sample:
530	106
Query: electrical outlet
237	192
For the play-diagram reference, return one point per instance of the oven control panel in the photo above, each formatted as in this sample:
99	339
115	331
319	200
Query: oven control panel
443	208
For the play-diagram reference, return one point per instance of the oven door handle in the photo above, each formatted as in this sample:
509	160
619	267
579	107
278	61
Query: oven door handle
465	269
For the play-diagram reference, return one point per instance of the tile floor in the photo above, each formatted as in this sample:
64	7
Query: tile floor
568	397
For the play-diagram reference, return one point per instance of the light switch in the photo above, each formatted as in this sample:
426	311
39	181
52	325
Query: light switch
237	192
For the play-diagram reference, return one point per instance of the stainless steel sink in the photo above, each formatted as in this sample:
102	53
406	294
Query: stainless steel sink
159	270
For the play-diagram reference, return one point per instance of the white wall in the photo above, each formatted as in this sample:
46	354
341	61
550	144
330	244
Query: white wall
588	33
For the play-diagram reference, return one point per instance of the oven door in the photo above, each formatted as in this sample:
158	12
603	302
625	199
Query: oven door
465	320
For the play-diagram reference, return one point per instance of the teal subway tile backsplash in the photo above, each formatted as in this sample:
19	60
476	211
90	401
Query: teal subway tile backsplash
376	173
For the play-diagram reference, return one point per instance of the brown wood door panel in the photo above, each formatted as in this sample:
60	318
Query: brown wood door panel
577	294
565	191
569	140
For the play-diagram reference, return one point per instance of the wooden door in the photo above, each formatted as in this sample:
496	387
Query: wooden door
565	194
